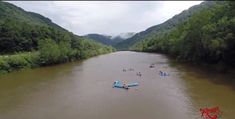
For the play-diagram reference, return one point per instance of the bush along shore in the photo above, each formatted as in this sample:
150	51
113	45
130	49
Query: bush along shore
50	53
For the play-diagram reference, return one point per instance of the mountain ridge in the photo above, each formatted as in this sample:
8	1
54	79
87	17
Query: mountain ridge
175	20
108	39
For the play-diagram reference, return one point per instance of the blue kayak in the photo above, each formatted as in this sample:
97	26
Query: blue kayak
118	84
132	84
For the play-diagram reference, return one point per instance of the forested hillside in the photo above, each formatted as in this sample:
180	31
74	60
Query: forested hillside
109	40
206	37
100	38
29	40
174	21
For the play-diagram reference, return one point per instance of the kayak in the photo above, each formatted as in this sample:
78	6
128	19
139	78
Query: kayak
132	84
118	84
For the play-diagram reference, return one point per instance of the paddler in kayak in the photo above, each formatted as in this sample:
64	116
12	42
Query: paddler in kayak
139	74
125	86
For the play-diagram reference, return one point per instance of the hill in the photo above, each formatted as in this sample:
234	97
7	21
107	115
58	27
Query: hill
177	19
30	40
207	37
109	40
100	38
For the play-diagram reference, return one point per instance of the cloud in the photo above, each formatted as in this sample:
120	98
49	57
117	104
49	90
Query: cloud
106	17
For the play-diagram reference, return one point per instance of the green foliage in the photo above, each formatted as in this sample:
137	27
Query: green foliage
93	48
19	61
160	29
65	51
49	52
101	39
16	36
206	37
42	41
4	66
20	31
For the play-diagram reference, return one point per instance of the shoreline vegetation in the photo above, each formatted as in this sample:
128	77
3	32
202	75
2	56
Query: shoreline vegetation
51	53
215	68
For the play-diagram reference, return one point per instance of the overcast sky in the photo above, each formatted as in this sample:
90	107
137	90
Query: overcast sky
106	17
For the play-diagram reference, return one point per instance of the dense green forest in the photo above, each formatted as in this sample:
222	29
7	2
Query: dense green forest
101	38
207	37
110	40
165	26
30	40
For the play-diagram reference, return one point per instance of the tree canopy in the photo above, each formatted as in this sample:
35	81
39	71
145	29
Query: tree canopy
207	36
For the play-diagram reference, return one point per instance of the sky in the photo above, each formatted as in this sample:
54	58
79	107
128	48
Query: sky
106	17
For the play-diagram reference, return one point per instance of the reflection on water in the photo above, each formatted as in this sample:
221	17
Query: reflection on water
83	90
210	89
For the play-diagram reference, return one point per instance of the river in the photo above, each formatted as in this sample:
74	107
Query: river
83	90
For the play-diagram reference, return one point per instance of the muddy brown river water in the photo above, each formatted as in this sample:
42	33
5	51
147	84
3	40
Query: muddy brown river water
83	90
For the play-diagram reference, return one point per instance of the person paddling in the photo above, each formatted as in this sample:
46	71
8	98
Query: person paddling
139	74
125	86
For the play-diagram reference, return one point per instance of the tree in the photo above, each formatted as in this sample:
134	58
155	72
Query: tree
49	52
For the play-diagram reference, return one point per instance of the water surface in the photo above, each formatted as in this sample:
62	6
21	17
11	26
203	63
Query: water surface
83	90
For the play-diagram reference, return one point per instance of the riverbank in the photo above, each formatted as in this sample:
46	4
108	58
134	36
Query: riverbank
50	53
23	61
219	67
